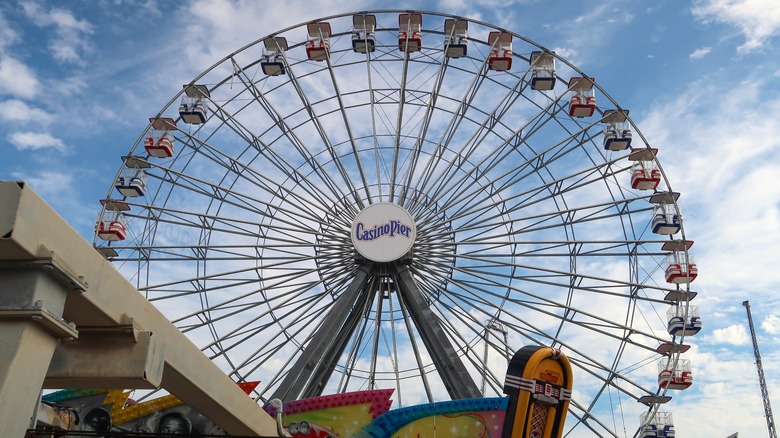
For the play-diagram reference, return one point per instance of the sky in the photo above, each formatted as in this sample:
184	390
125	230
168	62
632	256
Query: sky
79	79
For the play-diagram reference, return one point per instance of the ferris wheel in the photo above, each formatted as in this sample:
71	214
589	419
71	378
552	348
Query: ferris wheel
401	200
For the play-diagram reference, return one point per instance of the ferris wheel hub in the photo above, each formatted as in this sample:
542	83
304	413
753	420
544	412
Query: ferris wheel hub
383	232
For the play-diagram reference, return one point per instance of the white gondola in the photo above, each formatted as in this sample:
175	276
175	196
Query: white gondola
363	35
680	269
410	32
272	61
582	102
159	142
455	38
658	425
542	70
194	107
500	56
666	220
318	42
132	181
682	321
617	133
113	227
673	376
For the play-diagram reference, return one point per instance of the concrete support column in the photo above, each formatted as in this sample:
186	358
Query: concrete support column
43	267
31	305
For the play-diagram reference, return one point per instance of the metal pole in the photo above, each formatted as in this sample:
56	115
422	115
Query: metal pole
770	421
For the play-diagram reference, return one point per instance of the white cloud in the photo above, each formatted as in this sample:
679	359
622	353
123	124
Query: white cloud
757	20
70	41
35	141
722	160
47	183
7	35
58	188
700	53
17	79
17	111
231	24
734	335
771	324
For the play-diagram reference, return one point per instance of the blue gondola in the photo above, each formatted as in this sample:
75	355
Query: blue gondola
455	38
658	426
194	108
681	323
542	70
272	61
363	36
132	186
617	134
666	221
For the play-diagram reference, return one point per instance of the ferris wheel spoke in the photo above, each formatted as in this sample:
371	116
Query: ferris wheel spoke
430	175
288	132
600	285
374	135
295	309
289	314
281	292
424	127
546	220
458	115
322	132
530	167
483	280
585	417
538	162
398	125
531	328
467	205
245	172
348	128
282	268
283	235
301	371
239	200
444	182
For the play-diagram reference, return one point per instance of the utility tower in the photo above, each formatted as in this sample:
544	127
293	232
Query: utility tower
770	421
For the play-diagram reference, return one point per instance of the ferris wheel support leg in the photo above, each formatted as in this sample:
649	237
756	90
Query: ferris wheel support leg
459	383
324	343
320	376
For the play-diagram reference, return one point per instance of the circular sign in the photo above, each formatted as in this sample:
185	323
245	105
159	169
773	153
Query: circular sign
383	232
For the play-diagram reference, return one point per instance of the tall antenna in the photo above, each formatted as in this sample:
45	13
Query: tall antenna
770	421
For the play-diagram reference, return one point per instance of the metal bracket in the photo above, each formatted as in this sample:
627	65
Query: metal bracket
52	267
50	322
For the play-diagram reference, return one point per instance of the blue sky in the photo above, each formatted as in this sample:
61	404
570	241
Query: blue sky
78	81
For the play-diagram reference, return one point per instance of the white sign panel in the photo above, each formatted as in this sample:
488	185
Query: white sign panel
383	232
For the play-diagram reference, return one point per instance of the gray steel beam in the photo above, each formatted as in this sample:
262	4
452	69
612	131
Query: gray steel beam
76	284
456	378
136	358
324	339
